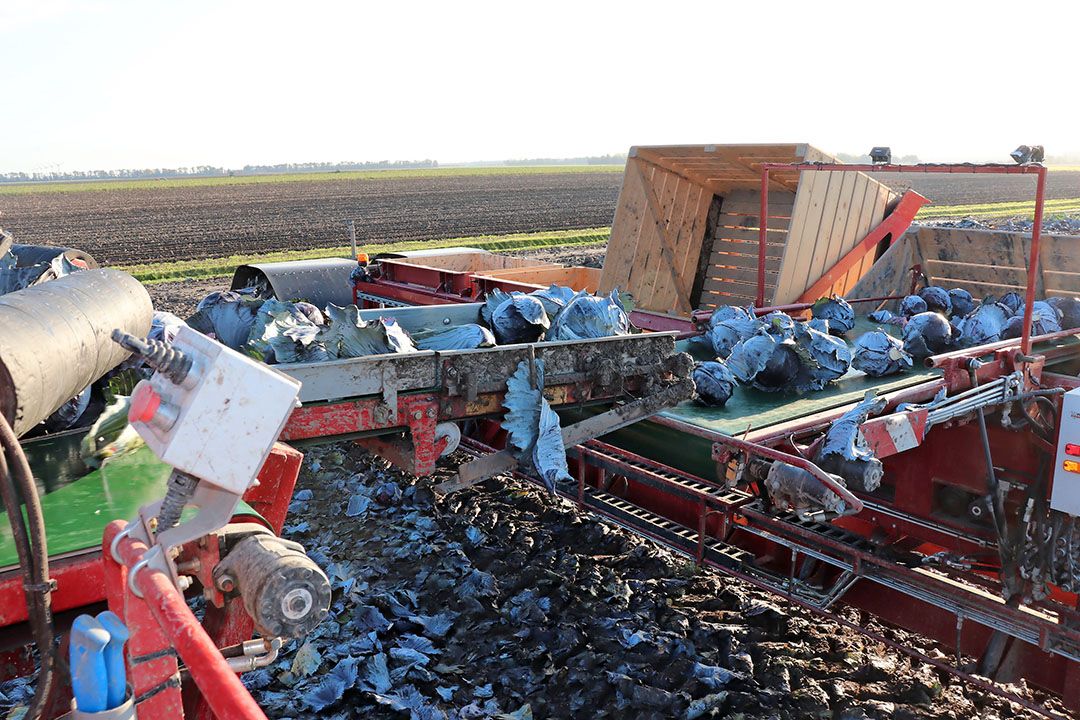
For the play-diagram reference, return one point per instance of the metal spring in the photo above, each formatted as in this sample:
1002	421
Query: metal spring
159	355
179	491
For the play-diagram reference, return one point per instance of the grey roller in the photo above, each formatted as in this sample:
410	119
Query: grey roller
55	339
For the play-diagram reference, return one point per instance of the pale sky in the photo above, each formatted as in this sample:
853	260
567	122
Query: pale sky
100	84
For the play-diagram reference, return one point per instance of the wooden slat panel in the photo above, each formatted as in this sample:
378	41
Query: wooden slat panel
775	224
656	267
1058	281
694	227
748	289
748	202
868	220
750	235
831	242
820	245
805	223
772	264
746	275
1060	252
989	274
711	300
723	245
987	248
625	232
643	273
684	209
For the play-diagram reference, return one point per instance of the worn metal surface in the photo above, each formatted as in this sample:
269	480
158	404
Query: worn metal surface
55	339
603	362
318	282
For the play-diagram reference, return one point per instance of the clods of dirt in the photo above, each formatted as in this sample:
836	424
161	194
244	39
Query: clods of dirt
502	601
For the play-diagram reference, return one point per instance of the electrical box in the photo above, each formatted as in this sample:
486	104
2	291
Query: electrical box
1066	493
221	421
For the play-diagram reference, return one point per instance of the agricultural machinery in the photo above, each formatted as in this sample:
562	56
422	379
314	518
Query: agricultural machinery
952	515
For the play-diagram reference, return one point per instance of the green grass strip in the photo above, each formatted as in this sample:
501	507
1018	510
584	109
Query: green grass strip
175	183
1004	209
151	273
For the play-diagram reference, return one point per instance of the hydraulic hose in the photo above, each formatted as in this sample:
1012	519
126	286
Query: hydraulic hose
33	557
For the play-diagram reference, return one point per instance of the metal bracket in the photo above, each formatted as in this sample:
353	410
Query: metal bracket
390	390
216	507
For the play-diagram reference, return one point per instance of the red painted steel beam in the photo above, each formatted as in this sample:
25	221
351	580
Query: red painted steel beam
947	168
220	686
1033	262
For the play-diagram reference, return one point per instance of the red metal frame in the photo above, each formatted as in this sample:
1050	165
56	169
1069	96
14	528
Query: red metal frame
163	628
953	168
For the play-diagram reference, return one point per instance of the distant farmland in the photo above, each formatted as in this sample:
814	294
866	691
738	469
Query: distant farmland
169	221
137	222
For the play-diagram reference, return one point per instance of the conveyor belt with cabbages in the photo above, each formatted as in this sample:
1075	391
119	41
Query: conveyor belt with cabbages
419	396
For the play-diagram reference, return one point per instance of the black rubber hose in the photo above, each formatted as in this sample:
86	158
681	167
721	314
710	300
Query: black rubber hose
994	500
39	586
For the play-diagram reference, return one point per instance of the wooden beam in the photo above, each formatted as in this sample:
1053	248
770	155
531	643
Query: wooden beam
667	252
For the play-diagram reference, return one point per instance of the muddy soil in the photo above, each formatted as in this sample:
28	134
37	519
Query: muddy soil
504	602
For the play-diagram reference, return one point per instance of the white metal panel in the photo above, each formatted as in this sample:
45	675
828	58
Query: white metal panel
1066	493
221	422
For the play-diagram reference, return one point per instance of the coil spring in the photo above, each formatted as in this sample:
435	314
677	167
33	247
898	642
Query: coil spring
159	355
179	491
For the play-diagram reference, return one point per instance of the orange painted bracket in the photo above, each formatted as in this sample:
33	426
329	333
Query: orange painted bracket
896	224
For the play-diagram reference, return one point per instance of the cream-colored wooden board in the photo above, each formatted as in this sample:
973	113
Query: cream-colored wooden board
657	265
833	243
805	224
625	231
646	260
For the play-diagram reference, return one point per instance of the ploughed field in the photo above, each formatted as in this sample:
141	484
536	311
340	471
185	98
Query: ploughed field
143	225
129	226
949	189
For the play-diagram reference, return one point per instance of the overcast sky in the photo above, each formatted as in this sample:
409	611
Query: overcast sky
89	84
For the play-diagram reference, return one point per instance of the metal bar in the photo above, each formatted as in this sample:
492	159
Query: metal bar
220	686
1033	261
854	504
937	361
502	461
763	222
952	168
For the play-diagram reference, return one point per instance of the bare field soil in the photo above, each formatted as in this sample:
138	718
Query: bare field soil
143	225
132	226
953	189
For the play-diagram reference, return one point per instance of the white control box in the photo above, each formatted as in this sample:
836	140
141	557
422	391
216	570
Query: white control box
221	422
1066	493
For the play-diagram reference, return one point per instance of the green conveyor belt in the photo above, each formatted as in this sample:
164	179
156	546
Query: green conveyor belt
747	409
77	508
754	409
750	408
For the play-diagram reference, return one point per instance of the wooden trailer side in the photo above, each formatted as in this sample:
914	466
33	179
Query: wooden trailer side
833	211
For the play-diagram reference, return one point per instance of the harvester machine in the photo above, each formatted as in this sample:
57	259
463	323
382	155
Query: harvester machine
942	496
185	493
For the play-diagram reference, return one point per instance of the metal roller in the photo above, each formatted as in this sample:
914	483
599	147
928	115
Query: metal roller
55	339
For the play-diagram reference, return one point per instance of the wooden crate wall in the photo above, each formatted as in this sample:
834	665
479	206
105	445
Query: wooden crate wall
731	276
659	226
983	262
832	212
